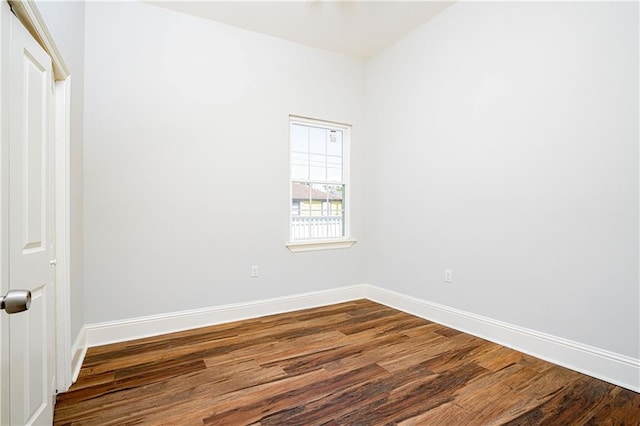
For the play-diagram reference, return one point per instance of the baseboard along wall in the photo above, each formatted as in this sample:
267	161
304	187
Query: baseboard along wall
78	351
614	368
153	325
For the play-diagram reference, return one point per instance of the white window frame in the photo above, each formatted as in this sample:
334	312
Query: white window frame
334	243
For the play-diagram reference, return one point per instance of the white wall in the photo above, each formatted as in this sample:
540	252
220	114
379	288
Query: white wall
186	161
65	20
506	149
501	141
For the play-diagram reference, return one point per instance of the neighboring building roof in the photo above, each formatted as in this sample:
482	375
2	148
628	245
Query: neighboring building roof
301	192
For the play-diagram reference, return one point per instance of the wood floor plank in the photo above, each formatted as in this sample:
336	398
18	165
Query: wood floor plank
348	399
445	414
621	408
282	400
353	363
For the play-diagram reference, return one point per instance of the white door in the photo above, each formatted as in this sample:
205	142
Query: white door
31	333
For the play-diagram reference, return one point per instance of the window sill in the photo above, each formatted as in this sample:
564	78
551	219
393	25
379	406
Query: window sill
300	246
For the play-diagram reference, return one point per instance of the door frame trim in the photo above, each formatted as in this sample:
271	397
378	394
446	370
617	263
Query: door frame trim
29	15
62	227
4	205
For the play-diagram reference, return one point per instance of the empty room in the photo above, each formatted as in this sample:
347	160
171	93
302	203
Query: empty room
319	212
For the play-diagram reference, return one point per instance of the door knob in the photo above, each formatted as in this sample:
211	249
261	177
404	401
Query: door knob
16	301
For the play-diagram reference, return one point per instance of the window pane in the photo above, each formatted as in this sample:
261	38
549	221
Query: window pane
336	193
318	173
334	160
295	208
317	140
299	138
318	160
300	192
300	172
318	167
334	144
334	174
334	169
319	192
316	208
299	166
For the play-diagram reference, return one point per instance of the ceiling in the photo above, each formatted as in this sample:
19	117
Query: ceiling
359	29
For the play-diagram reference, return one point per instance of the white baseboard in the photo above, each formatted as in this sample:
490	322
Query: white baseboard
608	366
78	351
136	328
614	368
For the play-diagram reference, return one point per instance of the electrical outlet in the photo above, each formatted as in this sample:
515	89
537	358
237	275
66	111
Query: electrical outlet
448	276
254	271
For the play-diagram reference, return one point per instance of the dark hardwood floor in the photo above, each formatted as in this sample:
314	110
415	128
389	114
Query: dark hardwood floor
356	363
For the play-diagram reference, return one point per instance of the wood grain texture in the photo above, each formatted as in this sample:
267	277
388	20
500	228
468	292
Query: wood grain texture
355	363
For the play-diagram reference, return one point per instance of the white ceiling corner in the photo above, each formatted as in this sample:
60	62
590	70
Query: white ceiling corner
358	29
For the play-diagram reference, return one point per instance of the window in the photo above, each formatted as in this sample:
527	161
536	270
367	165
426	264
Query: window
295	208
319	183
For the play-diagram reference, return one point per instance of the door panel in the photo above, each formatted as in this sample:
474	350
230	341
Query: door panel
31	353
34	167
